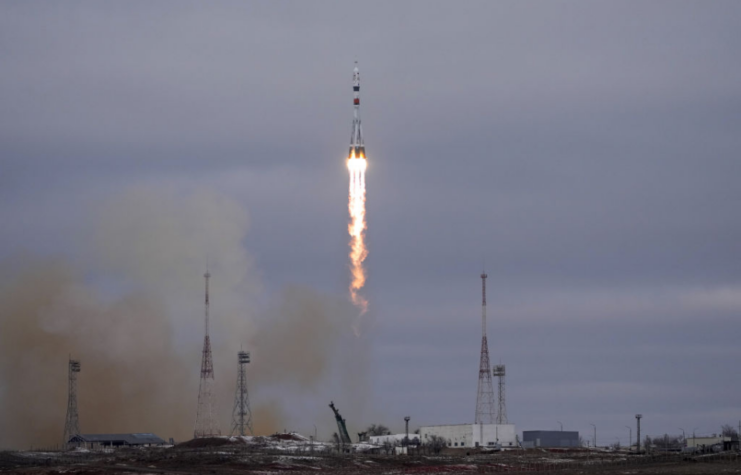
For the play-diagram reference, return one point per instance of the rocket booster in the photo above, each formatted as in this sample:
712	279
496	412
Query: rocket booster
357	147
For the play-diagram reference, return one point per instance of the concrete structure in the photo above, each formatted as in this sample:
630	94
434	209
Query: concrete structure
473	435
550	438
116	440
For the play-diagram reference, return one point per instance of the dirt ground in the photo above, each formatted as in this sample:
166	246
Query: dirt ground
225	460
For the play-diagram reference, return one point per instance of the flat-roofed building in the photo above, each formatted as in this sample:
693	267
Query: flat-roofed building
550	438
706	443
394	439
117	440
472	435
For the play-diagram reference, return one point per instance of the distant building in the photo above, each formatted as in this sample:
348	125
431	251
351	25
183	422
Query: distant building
473	435
550	438
393	439
117	440
706	443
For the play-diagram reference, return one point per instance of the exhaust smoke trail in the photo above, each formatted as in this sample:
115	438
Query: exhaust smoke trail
356	229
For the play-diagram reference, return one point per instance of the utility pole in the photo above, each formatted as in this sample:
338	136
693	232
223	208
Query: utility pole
406	439
630	437
638	432
561	424
595	435
72	423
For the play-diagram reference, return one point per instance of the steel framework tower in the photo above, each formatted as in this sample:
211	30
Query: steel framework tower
72	423
485	394
241	414
502	409
205	416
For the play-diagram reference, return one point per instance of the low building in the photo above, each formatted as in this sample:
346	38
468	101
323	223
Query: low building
706	443
116	440
473	435
393	439
550	438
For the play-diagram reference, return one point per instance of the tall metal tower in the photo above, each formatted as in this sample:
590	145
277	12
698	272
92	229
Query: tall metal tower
206	415
72	423
241	414
485	394
502	409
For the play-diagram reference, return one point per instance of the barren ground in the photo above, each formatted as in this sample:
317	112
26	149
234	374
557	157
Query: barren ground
234	459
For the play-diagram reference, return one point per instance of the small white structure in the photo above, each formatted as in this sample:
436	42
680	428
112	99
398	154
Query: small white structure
706	441
393	439
473	435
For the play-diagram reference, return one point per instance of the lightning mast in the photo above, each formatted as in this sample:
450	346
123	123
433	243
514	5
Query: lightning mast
485	394
205	416
498	372
241	414
72	423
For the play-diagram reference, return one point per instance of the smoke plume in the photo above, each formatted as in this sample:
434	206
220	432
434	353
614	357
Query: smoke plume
133	315
125	348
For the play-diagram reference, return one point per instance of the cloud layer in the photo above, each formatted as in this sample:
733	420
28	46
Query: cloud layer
587	151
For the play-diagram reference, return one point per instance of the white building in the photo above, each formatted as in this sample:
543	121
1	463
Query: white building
473	435
393	439
707	441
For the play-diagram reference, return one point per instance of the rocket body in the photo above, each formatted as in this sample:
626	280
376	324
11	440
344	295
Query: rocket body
357	146
356	165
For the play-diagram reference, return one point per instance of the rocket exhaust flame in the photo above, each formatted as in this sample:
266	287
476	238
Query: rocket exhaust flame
356	229
356	165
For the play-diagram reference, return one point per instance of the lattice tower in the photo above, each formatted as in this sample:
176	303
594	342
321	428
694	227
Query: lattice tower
72	423
499	372
241	414
206	425
485	393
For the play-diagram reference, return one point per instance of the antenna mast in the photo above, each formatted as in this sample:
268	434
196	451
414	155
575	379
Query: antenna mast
485	393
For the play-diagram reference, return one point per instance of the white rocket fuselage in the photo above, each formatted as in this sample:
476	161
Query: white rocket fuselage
357	147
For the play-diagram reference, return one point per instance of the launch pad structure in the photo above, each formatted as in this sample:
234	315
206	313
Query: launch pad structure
343	436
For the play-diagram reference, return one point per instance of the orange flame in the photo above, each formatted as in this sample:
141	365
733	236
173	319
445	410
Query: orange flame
356	229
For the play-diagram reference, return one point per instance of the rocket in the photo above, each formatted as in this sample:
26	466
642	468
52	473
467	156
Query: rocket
357	147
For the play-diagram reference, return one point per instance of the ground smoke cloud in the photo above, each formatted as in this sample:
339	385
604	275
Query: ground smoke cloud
133	316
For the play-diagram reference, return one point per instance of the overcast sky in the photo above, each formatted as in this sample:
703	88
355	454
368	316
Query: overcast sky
588	151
